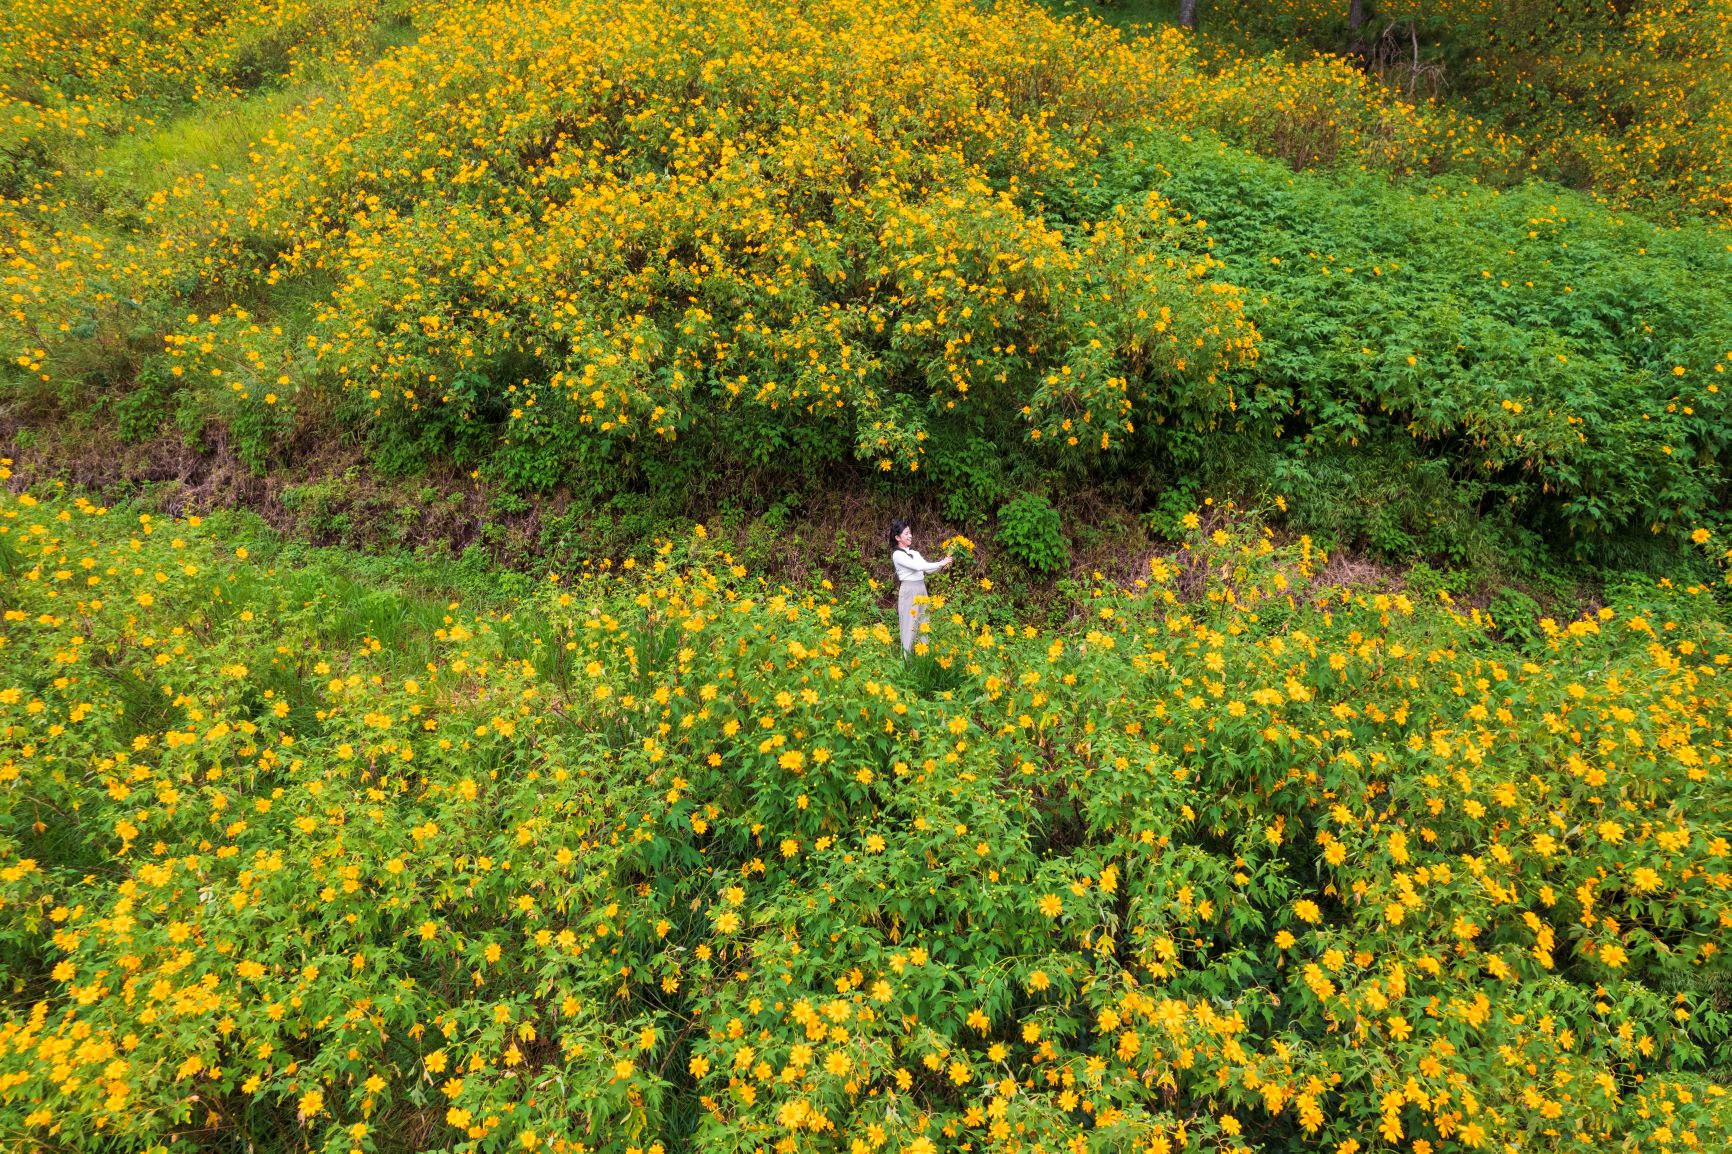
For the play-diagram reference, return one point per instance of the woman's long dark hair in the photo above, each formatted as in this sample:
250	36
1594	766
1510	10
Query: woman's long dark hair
896	528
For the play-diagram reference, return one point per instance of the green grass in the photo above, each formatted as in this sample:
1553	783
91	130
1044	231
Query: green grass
218	138
209	139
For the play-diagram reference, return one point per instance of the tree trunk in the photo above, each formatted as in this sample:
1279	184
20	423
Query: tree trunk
1356	17
1187	13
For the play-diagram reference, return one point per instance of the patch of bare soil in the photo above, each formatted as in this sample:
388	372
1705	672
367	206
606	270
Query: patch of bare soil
325	493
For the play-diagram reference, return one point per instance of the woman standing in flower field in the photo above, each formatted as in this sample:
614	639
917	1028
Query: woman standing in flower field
911	571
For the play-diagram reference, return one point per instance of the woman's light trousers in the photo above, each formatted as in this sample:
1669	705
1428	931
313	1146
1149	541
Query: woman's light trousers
909	614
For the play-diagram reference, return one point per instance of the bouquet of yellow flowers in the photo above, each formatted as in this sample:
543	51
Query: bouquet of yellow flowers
962	549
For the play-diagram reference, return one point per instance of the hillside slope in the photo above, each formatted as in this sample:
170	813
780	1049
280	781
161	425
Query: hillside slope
586	248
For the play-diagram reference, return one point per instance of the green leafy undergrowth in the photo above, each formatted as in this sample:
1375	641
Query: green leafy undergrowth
1555	359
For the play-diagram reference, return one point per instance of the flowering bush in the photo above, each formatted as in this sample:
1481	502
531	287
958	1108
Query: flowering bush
664	857
70	70
1624	99
730	228
113	120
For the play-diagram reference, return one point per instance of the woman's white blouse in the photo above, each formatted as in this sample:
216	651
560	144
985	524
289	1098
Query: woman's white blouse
911	566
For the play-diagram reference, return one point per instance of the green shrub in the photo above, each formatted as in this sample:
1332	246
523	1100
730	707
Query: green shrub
1516	616
1557	362
140	413
1031	531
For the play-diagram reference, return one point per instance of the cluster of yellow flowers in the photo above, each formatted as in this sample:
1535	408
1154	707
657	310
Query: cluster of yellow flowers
667	855
1630	100
85	89
591	229
641	221
70	69
1321	110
